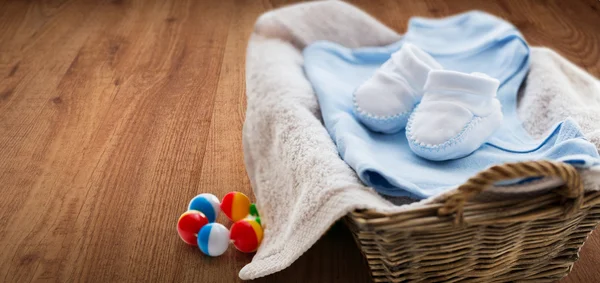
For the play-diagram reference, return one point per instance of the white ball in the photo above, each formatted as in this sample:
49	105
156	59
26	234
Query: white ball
213	239
208	204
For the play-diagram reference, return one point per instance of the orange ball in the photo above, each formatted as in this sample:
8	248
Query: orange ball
236	206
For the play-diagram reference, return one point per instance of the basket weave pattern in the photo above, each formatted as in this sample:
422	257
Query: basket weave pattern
459	239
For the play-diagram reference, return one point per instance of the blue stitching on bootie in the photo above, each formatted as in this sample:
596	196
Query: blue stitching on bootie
439	147
400	118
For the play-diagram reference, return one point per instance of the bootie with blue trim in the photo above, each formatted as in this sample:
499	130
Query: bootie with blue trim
385	101
457	114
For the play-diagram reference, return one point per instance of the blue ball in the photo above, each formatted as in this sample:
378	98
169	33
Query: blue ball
208	204
213	239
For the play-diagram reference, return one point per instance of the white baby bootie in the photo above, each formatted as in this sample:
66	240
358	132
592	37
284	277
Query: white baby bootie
457	114
384	102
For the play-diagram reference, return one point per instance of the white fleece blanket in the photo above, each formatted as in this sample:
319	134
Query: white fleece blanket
301	185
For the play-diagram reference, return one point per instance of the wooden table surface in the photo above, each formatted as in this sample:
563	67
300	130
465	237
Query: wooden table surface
113	114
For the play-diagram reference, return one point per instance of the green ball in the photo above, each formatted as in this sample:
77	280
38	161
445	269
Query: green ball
253	210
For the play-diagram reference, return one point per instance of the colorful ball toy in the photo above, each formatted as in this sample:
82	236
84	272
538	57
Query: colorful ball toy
208	204
236	206
197	227
246	235
188	225
213	239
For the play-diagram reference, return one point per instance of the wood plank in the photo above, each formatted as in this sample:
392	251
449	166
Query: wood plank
160	130
222	169
118	94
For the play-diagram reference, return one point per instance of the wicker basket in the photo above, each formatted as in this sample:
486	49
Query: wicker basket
461	238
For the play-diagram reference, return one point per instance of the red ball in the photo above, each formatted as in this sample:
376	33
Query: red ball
189	224
246	235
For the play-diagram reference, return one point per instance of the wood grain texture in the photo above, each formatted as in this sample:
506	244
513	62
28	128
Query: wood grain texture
113	114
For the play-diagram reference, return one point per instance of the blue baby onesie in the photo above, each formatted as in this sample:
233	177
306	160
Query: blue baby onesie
469	42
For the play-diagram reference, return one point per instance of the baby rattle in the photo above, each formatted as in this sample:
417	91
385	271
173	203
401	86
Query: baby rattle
197	226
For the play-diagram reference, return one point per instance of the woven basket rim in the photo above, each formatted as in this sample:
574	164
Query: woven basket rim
454	206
